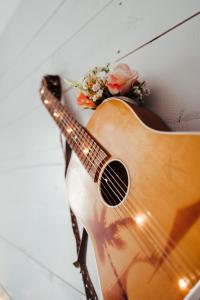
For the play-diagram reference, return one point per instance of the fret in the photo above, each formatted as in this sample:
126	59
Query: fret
61	123
74	143
92	165
93	146
87	160
97	164
73	140
77	147
95	152
78	139
88	150
84	157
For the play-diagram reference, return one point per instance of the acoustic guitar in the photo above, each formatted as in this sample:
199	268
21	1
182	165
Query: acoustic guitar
135	186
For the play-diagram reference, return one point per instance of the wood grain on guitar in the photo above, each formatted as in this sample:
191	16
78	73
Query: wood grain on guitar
142	214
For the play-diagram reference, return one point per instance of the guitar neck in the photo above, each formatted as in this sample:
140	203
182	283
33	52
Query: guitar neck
89	151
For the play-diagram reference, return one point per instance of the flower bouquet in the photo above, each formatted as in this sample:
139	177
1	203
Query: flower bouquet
100	83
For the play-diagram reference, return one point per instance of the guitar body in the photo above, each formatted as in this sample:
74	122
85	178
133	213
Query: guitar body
148	246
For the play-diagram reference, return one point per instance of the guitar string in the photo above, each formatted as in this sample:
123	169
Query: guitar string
71	119
120	193
79	128
150	216
87	143
115	212
56	102
71	126
172	242
128	212
164	255
143	245
97	158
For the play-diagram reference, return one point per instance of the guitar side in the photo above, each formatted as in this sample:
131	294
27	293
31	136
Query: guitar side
147	244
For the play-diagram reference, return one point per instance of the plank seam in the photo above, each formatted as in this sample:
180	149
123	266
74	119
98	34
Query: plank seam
40	264
21	117
31	167
158	36
34	36
6	291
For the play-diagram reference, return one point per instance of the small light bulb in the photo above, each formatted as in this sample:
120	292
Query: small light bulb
55	114
183	283
85	151
42	91
46	101
69	130
140	219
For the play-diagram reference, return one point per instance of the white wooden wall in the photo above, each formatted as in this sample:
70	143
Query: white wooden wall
68	37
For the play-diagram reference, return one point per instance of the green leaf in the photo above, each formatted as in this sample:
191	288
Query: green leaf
75	84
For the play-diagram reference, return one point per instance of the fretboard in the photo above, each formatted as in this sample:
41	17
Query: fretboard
89	151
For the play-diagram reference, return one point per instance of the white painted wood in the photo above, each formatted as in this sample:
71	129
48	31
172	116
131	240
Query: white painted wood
7	9
67	38
132	24
35	282
24	27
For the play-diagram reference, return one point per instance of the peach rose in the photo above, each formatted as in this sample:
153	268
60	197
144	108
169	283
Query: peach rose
120	79
84	101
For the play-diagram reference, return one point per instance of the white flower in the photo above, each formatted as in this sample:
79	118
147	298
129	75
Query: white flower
99	93
94	98
102	75
137	91
145	89
96	87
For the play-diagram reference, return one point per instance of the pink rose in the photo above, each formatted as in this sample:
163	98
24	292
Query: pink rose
120	79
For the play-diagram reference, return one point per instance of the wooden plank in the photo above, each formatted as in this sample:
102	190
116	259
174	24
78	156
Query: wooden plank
24	100
7	11
25	278
31	15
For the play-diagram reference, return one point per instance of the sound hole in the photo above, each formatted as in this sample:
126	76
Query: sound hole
114	183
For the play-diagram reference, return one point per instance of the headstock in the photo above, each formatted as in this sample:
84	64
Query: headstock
50	86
